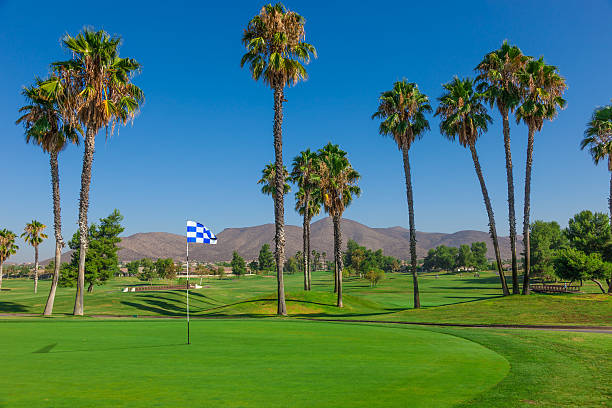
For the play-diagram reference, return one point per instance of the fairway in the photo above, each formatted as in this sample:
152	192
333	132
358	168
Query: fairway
238	363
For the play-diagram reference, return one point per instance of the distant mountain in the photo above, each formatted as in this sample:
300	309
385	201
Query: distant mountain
247	241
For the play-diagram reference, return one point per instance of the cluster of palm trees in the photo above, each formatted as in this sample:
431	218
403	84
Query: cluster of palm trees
91	91
508	79
325	179
527	87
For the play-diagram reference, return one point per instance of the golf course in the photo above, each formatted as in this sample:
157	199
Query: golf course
132	347
306	205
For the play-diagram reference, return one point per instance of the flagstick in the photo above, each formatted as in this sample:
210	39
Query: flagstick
188	292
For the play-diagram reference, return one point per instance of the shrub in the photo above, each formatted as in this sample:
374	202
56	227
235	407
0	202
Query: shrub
375	275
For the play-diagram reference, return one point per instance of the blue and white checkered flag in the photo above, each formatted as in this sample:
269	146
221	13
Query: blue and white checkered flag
199	234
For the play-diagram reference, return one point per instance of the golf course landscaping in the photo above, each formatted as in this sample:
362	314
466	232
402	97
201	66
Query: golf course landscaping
129	349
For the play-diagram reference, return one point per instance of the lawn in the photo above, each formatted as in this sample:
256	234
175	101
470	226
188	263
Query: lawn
446	298
258	360
238	363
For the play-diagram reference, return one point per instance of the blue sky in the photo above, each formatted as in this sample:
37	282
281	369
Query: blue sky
205	132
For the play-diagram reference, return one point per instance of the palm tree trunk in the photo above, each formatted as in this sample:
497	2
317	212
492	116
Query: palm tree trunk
36	269
610	196
305	243
279	207
335	274
492	230
90	139
511	212
1	265
413	255
309	258
57	220
527	208
338	257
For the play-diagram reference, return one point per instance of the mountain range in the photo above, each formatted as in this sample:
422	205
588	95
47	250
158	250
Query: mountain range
394	241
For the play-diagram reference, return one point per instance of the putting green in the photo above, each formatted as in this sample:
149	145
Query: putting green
238	363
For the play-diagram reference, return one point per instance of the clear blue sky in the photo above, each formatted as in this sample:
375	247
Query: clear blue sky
205	131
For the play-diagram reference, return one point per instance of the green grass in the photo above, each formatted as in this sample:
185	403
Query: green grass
447	299
258	361
238	363
548	369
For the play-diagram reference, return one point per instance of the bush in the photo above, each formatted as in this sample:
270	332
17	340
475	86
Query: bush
374	276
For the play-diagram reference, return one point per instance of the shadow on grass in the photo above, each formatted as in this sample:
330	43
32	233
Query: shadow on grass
12	307
164	308
45	349
109	349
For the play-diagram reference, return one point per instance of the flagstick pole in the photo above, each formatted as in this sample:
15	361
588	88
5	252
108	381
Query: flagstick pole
188	292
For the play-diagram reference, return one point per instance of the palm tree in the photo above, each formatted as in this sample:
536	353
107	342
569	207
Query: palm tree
542	91
98	93
276	52
307	200
465	117
33	234
7	248
314	209
338	185
498	77
268	180
402	111
45	126
598	138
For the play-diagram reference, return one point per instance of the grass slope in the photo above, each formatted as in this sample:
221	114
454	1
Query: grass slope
239	363
446	298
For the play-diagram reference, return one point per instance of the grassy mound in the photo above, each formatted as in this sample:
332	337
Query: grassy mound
298	304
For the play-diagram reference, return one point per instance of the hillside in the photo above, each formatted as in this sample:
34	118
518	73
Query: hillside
247	241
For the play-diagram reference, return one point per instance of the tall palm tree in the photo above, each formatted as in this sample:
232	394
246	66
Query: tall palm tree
7	247
338	185
307	200
598	138
498	76
98	93
465	118
46	127
33	234
542	91
276	52
402	111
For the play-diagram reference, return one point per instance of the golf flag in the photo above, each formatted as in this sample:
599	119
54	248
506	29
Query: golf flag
199	234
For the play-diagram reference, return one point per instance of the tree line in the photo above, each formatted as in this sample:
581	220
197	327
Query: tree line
448	258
